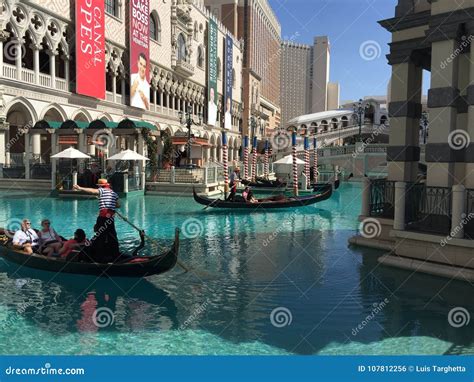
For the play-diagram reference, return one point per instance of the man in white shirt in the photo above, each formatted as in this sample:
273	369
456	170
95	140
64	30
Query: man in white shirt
26	238
140	91
212	109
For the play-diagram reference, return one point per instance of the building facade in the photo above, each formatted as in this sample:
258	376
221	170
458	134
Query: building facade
304	82
426	216
38	81
254	22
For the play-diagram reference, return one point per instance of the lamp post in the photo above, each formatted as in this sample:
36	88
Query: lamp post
187	119
359	110
424	122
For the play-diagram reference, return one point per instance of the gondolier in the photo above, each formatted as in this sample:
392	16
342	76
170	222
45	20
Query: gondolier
104	244
234	181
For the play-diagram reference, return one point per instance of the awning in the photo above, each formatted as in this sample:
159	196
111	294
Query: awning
178	141
96	124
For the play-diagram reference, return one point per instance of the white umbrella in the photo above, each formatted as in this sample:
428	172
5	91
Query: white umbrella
70	153
288	160
128	155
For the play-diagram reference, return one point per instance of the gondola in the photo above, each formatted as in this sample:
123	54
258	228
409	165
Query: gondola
131	266
261	183
264	204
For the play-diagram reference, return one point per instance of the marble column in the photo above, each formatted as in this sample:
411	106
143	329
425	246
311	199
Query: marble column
442	103
3	140
469	180
52	67
114	87
403	153
18	51
36	61
54	150
27	157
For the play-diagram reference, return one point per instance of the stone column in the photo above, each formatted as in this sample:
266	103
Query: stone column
54	150
3	38
114	87
154	99
399	213
36	145
66	72
124	101
141	151
27	154
52	67
36	61
81	146
403	153
365	197
3	135
19	50
443	98
458	211
469	180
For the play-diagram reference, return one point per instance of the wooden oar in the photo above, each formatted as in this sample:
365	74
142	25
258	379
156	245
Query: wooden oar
181	264
210	205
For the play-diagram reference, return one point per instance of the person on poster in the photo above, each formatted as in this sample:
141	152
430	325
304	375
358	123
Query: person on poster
212	108
140	91
228	115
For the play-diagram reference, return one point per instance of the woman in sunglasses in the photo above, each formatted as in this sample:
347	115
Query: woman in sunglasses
50	241
26	238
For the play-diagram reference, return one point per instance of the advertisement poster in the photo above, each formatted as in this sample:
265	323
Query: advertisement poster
229	46
212	80
90	48
140	54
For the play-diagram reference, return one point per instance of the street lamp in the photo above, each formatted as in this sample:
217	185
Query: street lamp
359	110
424	125
187	119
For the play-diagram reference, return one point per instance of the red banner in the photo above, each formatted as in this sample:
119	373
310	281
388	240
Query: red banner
140	53
90	48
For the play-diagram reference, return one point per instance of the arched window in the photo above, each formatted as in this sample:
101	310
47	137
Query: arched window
111	7
182	51
153	29
200	58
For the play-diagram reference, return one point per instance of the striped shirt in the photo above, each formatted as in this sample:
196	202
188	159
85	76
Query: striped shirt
107	199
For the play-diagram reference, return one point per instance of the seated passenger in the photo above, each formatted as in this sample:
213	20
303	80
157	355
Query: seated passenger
75	243
26	238
50	241
247	194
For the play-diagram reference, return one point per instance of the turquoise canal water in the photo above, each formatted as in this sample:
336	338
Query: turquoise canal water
265	283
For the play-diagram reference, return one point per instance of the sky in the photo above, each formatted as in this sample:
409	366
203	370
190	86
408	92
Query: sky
358	43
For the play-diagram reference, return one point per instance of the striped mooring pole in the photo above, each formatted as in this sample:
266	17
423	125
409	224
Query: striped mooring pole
315	161
295	164
246	157
226	165
254	159
266	169
307	166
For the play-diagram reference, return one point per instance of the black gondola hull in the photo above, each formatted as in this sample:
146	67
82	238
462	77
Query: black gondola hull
147	266
301	201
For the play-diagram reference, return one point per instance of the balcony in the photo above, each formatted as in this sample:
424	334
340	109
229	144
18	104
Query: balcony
184	68
28	76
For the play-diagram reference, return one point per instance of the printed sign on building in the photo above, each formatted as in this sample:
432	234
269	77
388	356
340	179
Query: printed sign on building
140	54
228	83
90	48
212	70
